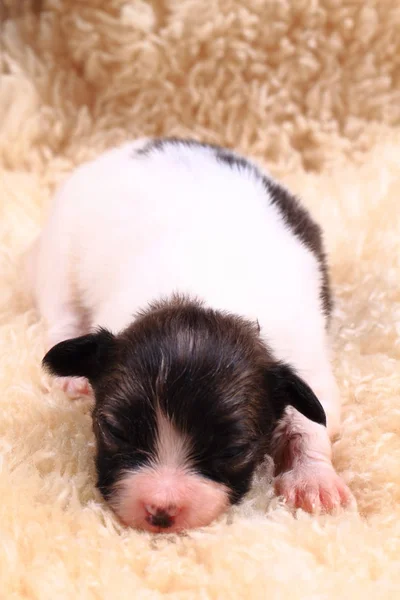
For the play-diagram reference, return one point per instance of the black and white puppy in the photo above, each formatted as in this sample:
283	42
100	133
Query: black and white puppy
191	292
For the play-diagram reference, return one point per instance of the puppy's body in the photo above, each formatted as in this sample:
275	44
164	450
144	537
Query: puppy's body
175	219
156	218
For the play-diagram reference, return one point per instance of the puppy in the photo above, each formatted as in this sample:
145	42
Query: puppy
189	293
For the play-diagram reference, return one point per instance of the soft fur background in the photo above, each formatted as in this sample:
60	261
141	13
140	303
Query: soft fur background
311	88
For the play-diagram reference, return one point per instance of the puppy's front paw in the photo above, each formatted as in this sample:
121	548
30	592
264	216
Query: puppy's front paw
74	387
314	488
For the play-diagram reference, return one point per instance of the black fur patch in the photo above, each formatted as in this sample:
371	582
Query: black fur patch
160	144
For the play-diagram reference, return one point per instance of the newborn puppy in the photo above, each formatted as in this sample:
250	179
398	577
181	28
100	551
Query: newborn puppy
191	292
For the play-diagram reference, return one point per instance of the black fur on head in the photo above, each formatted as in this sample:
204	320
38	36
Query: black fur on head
208	372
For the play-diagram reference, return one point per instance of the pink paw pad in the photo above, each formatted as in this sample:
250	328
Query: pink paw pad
313	489
74	387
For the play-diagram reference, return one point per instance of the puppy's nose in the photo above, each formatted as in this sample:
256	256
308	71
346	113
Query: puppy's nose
163	517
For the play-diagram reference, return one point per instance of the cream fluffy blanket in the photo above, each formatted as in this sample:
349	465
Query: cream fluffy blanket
312	89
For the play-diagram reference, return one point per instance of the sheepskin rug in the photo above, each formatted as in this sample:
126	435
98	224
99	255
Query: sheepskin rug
312	89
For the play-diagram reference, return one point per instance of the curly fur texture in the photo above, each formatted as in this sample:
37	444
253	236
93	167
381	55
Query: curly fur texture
312	89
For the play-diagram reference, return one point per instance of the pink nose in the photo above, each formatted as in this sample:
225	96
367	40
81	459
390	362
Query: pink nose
161	516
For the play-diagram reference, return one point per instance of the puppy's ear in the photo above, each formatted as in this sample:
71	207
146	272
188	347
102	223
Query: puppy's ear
84	356
287	388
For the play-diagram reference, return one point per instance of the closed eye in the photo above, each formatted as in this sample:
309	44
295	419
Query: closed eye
116	433
238	452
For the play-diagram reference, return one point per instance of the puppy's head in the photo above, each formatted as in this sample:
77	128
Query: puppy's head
186	399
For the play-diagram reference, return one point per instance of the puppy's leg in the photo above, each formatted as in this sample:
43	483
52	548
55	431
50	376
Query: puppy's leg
64	322
55	300
302	451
